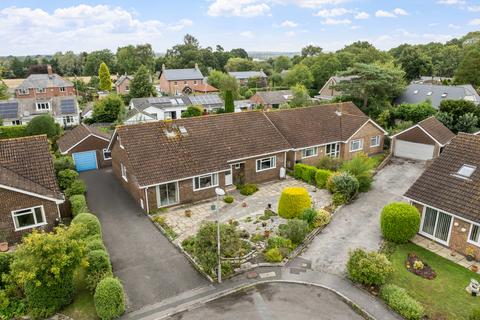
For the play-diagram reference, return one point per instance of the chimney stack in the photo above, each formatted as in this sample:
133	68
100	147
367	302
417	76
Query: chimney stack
163	67
196	66
49	70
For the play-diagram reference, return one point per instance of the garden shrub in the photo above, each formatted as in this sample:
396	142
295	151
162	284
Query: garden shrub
5	260
99	267
228	199
189	244
279	242
329	163
305	172
322	218
109	299
78	204
475	315
248	189
321	178
77	187
66	178
293	201
8	132
91	223
94	244
343	183
309	216
43	124
400	301
368	268
361	167
298	170
63	163
399	222
295	229
338	199
273	255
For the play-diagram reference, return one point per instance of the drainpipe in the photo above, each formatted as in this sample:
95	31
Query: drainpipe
146	200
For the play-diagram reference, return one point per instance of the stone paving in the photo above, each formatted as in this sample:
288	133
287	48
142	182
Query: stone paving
185	220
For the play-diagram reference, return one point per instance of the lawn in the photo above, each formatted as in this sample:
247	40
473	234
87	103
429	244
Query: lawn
82	307
445	295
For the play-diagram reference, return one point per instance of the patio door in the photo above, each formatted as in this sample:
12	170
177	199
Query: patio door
436	225
167	194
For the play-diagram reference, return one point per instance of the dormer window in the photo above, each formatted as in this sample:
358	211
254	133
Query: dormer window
41	90
42	106
23	91
466	171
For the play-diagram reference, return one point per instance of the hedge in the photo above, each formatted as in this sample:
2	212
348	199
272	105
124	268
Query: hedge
305	172
91	223
399	300
8	132
321	177
399	222
94	244
78	204
109	299
293	201
66	178
99	267
77	187
248	189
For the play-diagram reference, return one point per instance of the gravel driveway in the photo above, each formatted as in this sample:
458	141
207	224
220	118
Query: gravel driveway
357	224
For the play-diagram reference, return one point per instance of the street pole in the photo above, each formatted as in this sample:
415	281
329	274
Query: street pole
218	244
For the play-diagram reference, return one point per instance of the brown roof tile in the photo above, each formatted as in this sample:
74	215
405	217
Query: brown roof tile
440	187
74	136
437	130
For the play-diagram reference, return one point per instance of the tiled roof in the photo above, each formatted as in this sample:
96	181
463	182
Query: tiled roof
437	130
275	97
304	127
247	74
26	164
25	108
122	78
80	132
182	74
204	87
44	81
440	187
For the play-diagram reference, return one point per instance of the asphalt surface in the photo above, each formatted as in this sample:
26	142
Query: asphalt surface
275	301
149	266
358	224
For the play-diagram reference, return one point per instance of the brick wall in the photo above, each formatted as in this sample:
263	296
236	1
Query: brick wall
368	131
122	88
49	93
251	176
93	143
170	87
10	201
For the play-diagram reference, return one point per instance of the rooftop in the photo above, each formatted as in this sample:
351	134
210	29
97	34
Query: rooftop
44	81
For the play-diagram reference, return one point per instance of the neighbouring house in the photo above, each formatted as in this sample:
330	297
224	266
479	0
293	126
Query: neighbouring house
88	147
44	86
29	193
328	91
418	92
243	105
423	141
446	195
271	99
204	88
180	81
433	80
243	76
165	163
87	111
122	85
20	111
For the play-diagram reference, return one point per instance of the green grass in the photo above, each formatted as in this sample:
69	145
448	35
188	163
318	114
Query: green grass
445	295
82	307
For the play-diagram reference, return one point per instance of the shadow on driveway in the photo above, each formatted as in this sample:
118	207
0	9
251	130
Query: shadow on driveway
149	266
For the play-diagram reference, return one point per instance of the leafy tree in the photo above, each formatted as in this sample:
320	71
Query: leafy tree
43	124
105	81
467	123
4	95
95	58
141	85
239	64
323	67
229	104
282	63
130	58
69	64
300	96
311	50
414	63
192	111
364	52
109	109
299	74
239	53
459	115
468	71
446	119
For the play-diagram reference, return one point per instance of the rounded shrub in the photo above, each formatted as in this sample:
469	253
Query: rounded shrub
399	300
293	201
109	299
228	199
399	222
321	177
248	189
99	267
62	163
295	229
91	223
77	187
43	124
368	268
343	183
78	204
273	255
309	215
66	178
322	218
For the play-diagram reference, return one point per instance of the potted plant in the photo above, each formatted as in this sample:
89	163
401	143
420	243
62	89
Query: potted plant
470	254
474	268
3	242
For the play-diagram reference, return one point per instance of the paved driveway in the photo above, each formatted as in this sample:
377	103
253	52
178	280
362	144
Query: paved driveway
150	268
357	224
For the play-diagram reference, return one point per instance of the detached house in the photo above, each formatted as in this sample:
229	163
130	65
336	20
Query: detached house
44	86
178	81
328	91
122	85
272	99
243	77
164	163
446	195
29	193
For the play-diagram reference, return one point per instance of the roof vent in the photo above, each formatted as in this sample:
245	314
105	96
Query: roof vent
183	131
444	95
466	171
338	113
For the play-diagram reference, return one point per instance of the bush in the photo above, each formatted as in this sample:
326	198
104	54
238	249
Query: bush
78	204
321	177
63	163
343	183
329	163
296	230
399	222
66	178
77	187
43	124
305	172
12	132
99	267
228	199
399	300
91	223
322	218
338	199
5	260
475	315
109	299
361	167
368	268
94	244
273	255
279	242
293	201
309	215
189	244
248	189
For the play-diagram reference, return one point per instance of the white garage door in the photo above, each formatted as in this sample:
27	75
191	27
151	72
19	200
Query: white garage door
411	150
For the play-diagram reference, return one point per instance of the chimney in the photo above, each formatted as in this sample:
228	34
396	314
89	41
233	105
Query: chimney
163	67
196	66
49	70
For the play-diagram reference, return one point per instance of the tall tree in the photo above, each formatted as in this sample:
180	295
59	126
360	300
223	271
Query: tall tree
109	109
299	74
415	63
311	50
130	58
105	81
240	64
282	63
229	103
469	71
300	96
141	85
95	58
4	95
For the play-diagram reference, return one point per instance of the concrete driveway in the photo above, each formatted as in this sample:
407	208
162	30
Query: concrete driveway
150	267
358	224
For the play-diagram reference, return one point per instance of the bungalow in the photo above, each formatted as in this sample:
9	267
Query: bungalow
87	145
423	141
328	91
446	195
180	81
243	77
44	86
122	85
271	99
29	193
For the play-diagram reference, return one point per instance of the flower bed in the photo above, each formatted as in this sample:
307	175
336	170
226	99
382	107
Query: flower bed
416	266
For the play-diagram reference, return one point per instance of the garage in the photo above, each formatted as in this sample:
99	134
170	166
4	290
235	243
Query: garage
412	150
85	160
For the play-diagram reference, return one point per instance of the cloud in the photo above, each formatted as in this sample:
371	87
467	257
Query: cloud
290	33
335	12
400	12
384	14
355	27
238	8
180	25
362	15
453	26
331	21
451	2
475	22
433	24
314	4
474	8
289	24
247	34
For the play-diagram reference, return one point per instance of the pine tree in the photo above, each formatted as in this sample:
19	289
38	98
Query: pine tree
105	83
229	104
141	85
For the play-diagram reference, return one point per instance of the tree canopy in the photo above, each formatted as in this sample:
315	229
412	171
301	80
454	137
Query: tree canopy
105	81
141	85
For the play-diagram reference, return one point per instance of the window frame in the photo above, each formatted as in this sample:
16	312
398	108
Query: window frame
16	122
469	240
62	89
433	235
23	92
104	157
336	153
159	197
377	137
273	160
214	181
32	211
314	154
123	171
69	117
44	103
360	148
40	90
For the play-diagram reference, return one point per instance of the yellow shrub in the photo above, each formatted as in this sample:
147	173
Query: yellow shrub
293	201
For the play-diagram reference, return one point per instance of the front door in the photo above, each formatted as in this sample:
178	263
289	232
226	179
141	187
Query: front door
238	172
228	178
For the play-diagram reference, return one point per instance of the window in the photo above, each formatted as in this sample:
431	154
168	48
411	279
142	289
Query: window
68	120
374	141
23	91
170	115
175	83
436	225
28	218
107	154
184	82
195	82
309	152
238	166
41	90
332	150
62	89
474	234
466	171
43	106
356	145
16	122
123	169
127	88
167	194
206	181
266	164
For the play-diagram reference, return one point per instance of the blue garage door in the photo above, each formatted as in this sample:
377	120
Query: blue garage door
85	160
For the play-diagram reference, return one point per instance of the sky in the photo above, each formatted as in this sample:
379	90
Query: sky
29	27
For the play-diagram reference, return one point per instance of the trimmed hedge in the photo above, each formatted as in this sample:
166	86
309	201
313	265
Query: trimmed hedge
399	222
94	244
99	267
66	178
77	187
109	299
91	223
368	268
321	177
78	204
305	172
8	132
400	301
293	201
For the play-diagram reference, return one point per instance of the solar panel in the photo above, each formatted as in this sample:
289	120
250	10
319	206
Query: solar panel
8	110
206	99
67	106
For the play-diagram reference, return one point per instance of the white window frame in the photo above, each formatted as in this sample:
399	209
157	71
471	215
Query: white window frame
334	154
360	145
377	139
120	143
23	92
40	90
314	153
213	177
272	159
159	200
16	122
476	243
32	211
68	120
123	170
127	88
62	89
104	157
435	227
45	106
